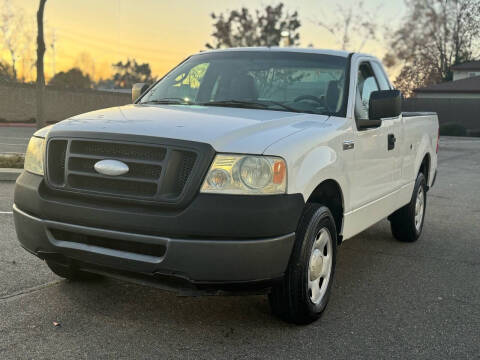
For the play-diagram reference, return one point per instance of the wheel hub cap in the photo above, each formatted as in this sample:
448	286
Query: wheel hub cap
419	208
320	266
316	266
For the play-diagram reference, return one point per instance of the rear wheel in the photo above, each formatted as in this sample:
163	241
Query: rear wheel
407	222
69	272
303	294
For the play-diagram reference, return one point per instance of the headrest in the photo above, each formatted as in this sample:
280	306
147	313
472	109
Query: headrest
332	96
242	87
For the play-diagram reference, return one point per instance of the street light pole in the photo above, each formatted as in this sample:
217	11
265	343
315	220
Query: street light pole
285	38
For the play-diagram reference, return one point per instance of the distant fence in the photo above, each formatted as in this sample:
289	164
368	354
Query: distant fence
465	112
18	104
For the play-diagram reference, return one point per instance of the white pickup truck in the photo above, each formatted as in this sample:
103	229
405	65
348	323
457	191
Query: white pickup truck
240	170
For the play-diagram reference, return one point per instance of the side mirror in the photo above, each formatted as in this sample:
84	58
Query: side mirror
382	104
137	90
385	104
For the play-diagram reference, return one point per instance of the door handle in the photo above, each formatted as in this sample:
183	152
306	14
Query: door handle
348	145
391	141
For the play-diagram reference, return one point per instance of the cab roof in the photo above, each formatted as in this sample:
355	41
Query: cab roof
341	53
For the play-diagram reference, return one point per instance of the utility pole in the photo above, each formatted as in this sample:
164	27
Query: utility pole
40	118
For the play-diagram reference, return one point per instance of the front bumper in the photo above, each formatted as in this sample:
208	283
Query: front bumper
196	261
131	242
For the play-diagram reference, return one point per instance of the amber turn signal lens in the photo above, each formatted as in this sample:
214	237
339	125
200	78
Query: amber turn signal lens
279	171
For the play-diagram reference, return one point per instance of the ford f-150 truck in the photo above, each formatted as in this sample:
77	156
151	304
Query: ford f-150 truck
240	170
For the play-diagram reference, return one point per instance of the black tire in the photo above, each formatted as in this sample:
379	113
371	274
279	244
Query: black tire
402	221
291	299
70	273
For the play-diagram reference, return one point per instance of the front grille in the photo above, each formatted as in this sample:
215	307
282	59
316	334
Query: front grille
150	249
156	172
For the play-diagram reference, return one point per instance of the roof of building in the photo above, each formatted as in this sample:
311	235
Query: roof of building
471	65
468	85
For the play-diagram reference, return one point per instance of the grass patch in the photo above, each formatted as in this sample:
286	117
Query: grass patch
12	161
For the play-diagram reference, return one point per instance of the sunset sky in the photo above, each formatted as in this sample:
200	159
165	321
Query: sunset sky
93	34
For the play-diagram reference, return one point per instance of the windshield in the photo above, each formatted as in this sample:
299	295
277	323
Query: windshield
271	80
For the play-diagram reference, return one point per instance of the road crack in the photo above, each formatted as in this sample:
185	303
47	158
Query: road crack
24	292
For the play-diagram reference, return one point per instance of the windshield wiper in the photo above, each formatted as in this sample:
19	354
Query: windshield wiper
260	104
285	107
169	101
236	103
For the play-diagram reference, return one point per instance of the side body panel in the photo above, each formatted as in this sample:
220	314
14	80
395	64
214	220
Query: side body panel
315	155
374	182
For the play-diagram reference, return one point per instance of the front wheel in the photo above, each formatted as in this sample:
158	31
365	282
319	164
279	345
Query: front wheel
303	294
407	222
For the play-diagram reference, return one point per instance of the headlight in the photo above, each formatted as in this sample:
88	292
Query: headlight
245	174
34	156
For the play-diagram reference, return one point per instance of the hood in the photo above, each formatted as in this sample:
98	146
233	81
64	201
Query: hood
226	129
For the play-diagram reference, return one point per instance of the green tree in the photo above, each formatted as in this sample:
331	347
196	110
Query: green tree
263	28
72	79
433	36
131	72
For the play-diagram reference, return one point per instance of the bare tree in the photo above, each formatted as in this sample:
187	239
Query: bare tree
6	73
352	25
26	51
263	28
11	32
434	35
40	71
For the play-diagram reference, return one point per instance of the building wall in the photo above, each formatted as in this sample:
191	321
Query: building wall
458	75
433	95
18	104
450	110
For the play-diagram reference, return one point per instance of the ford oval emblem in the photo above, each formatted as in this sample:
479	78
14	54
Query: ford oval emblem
111	167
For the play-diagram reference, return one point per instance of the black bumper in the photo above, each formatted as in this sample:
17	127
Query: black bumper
215	240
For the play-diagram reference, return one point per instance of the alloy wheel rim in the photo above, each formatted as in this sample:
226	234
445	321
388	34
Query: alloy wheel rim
419	208
320	266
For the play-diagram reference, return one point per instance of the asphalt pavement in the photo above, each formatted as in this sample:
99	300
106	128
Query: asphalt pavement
14	139
390	299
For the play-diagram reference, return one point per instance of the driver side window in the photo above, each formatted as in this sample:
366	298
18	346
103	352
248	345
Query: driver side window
366	84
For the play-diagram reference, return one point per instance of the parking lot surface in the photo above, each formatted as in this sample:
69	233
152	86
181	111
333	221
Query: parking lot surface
14	139
390	299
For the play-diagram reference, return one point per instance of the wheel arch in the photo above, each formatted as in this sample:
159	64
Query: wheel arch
424	158
329	193
425	167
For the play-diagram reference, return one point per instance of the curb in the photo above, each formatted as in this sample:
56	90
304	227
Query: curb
7	174
12	124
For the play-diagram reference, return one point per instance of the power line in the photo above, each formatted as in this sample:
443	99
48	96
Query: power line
106	48
97	39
